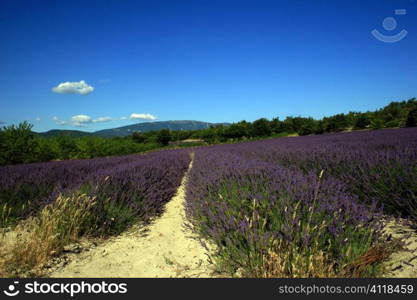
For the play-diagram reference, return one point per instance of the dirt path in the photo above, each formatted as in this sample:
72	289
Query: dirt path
403	263
167	249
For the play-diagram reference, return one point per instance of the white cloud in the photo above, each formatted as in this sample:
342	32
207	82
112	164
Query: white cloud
58	121
74	87
142	116
38	119
81	120
2	122
102	119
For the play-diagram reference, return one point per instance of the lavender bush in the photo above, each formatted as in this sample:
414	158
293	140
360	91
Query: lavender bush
313	205
376	166
136	193
26	188
127	188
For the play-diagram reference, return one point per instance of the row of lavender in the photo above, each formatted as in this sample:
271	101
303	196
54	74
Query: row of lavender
126	188
309	206
376	166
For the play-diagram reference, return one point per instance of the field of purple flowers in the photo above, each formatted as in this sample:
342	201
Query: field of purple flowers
125	188
309	206
304	207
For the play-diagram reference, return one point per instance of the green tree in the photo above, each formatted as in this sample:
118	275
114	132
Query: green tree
164	136
220	133
48	149
235	131
377	123
3	148
351	118
411	118
361	122
308	126
138	137
19	144
336	123
261	127
247	127
208	135
320	127
276	125
67	146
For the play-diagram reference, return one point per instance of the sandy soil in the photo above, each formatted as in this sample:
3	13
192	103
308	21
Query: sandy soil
166	249
403	263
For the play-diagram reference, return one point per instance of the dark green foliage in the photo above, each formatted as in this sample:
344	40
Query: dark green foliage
49	149
18	144
261	127
412	118
21	145
179	135
67	146
163	137
320	127
236	131
276	125
377	124
336	123
309	126
293	124
138	137
361	122
208	135
3	148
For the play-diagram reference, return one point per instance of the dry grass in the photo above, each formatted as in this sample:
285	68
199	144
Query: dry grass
372	257
33	241
285	261
319	265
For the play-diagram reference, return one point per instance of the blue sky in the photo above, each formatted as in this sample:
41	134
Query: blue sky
99	64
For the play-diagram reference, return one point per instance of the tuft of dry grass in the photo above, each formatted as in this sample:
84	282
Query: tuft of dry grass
34	240
372	257
286	261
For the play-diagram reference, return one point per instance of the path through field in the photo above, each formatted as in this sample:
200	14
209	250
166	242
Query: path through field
167	249
403	263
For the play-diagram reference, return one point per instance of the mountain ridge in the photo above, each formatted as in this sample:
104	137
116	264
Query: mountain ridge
129	129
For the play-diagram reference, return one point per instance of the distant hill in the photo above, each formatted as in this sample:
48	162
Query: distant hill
73	133
142	127
149	126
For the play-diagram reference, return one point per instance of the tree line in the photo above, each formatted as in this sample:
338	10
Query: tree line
19	144
395	114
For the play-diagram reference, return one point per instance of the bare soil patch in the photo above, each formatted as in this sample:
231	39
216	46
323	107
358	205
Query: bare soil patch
402	263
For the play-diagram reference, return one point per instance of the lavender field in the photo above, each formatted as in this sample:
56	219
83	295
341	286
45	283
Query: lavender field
44	207
309	206
304	207
126	188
